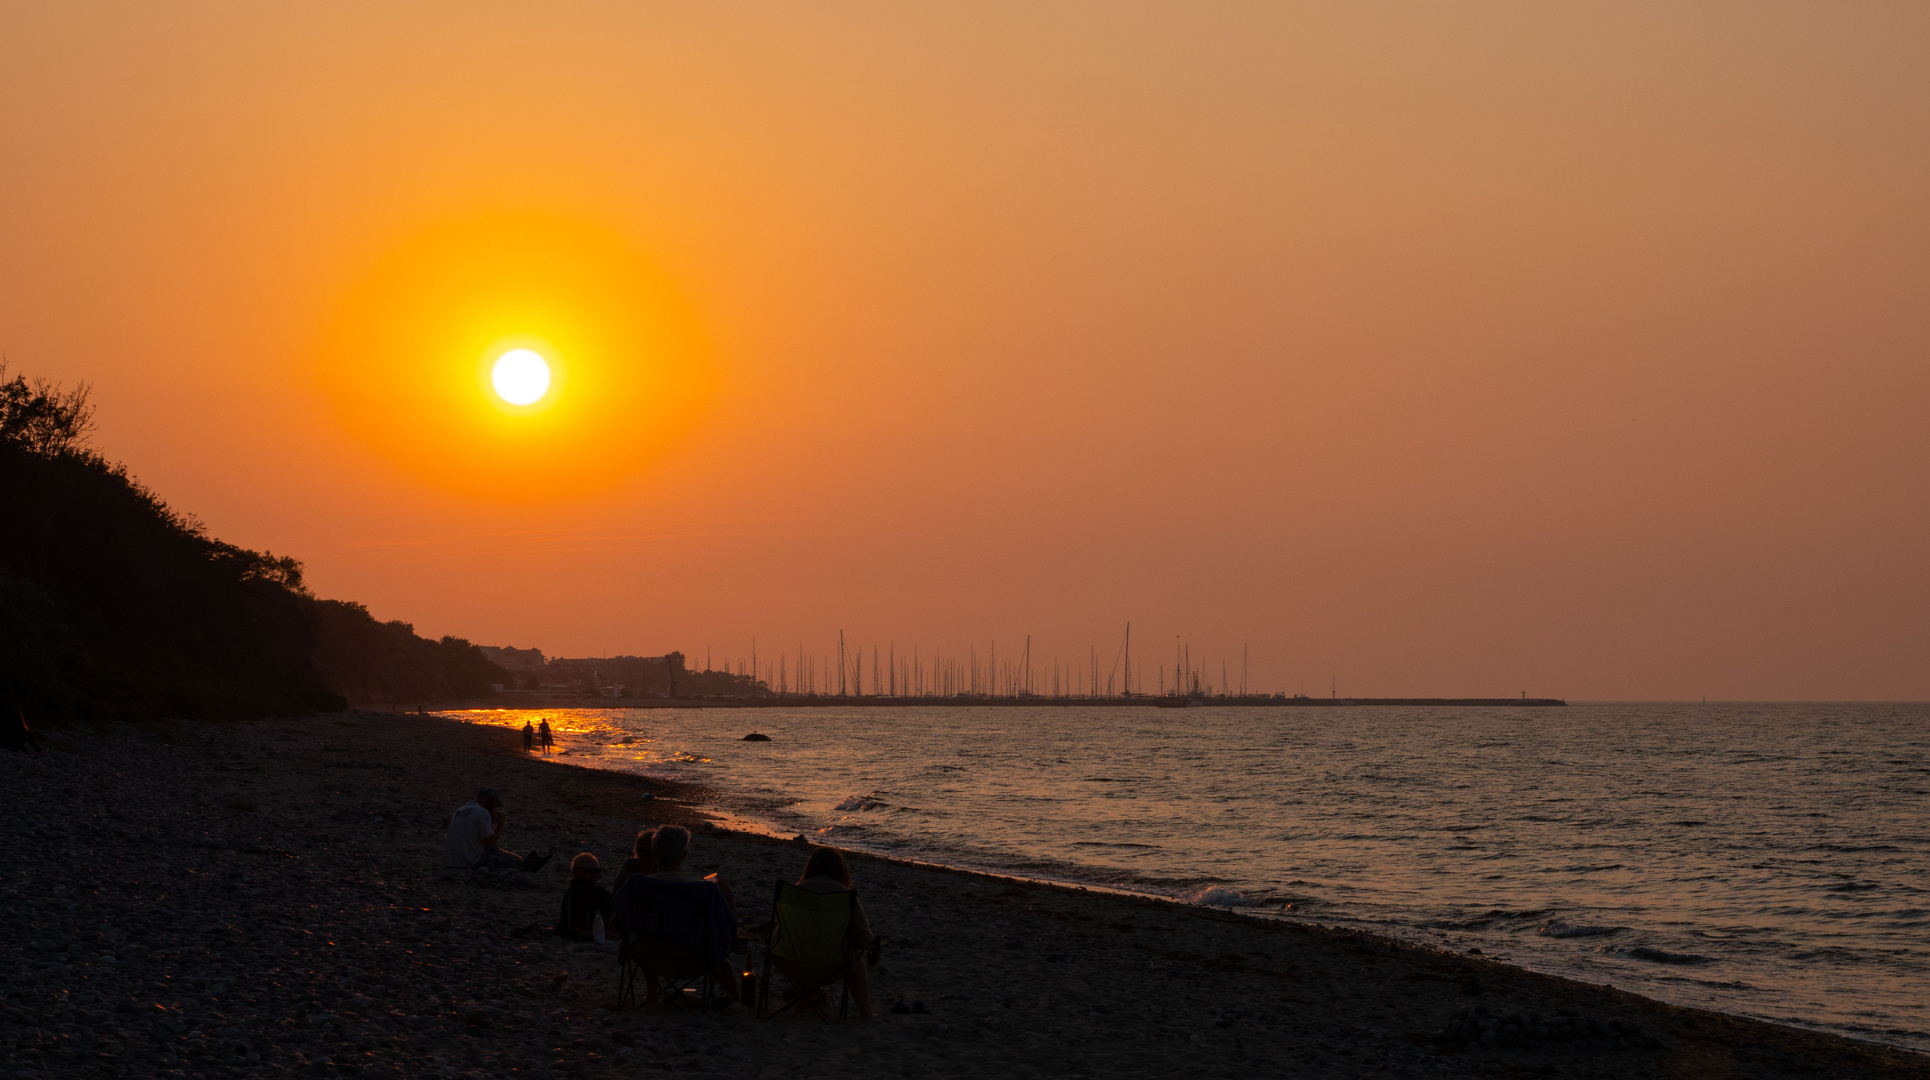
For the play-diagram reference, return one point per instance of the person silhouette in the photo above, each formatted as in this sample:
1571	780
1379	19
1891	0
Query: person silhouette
16	735
549	740
529	737
475	838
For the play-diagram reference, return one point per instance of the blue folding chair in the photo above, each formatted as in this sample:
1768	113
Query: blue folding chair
675	934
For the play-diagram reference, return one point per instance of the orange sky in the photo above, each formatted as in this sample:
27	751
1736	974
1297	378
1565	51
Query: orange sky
1450	349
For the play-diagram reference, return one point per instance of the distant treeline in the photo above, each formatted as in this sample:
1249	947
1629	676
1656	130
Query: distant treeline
368	661
114	605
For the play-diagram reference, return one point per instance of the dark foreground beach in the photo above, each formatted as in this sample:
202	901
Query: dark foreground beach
267	899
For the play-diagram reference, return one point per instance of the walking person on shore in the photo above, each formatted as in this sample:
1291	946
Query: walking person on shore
475	838
529	737
543	731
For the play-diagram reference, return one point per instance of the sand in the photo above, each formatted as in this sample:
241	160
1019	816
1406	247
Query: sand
267	900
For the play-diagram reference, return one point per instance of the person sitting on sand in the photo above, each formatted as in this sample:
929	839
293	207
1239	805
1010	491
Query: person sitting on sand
585	900
529	737
476	834
543	732
642	860
826	871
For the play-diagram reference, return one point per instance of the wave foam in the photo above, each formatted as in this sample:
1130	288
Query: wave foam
1218	896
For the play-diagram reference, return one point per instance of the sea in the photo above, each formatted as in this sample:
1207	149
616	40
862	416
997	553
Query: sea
1767	860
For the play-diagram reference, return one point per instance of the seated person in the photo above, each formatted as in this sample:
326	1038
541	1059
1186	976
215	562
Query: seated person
475	838
673	907
671	846
584	901
642	860
16	735
827	872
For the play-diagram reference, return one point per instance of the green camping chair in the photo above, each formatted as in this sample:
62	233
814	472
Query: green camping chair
808	943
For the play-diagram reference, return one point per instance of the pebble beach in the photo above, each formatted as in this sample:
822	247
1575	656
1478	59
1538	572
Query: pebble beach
267	899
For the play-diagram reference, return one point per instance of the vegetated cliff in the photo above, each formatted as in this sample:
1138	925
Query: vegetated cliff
115	606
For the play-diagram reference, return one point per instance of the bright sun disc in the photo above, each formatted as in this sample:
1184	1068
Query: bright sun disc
520	377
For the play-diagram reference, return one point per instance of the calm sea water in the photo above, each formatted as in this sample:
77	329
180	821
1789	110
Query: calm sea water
1768	860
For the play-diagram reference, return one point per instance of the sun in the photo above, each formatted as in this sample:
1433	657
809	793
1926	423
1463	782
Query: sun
521	377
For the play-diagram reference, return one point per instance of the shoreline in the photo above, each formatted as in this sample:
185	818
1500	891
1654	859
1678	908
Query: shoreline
266	899
740	808
1547	913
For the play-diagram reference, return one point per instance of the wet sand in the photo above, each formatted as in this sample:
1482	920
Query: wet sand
268	900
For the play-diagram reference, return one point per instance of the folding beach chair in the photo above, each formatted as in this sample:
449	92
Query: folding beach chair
669	938
808	943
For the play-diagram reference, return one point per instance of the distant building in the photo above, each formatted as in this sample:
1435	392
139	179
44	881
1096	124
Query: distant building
512	659
605	676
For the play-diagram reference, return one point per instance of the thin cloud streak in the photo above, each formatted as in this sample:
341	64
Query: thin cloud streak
559	536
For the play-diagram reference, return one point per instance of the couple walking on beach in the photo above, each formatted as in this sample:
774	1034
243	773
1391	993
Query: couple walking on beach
534	735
